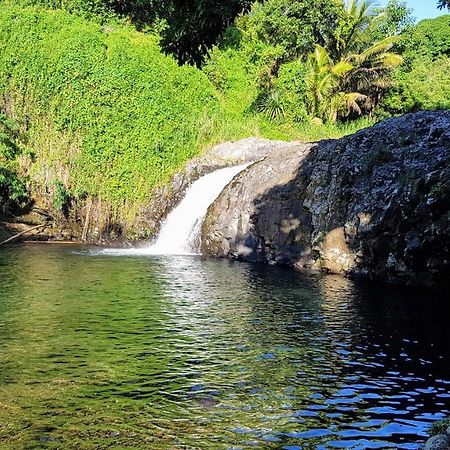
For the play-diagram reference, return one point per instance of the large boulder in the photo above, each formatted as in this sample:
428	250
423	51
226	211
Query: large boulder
375	204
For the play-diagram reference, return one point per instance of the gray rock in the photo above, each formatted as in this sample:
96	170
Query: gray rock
373	204
245	150
438	442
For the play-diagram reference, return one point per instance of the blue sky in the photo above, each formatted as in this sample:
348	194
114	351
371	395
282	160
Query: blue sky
423	9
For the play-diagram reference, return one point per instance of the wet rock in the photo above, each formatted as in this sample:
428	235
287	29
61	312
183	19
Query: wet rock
438	442
374	204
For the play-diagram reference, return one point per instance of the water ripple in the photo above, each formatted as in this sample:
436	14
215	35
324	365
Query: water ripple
186	352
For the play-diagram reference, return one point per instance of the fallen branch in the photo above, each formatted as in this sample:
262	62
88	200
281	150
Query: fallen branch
13	238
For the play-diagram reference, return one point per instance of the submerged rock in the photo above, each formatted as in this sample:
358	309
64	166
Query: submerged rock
374	204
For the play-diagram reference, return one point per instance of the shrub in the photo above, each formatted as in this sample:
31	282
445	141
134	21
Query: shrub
425	86
13	192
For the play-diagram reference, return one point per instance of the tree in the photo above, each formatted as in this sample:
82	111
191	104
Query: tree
193	27
430	38
295	25
323	82
444	4
350	76
392	20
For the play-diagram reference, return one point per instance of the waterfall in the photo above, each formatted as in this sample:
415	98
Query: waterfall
181	231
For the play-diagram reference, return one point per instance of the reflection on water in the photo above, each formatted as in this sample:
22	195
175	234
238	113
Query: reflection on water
181	352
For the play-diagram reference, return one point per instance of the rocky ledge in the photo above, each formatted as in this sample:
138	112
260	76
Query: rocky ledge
374	204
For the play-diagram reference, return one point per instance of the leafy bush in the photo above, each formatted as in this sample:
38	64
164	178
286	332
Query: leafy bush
13	192
425	86
291	85
429	38
104	104
62	197
423	81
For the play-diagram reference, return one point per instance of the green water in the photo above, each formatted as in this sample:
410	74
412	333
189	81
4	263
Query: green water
185	353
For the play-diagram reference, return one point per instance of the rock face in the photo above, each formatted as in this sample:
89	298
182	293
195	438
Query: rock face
438	442
375	204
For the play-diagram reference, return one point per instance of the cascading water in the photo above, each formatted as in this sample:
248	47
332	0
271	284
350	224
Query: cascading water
181	231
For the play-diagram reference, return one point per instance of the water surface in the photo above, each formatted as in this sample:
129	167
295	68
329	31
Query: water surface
155	352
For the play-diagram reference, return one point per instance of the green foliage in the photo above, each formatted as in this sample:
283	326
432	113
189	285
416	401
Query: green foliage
423	82
296	26
394	19
62	197
424	86
354	80
440	427
430	38
98	9
130	115
13	192
194	27
189	29
291	86
271	105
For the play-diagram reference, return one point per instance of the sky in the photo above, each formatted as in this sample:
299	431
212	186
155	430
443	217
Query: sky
423	9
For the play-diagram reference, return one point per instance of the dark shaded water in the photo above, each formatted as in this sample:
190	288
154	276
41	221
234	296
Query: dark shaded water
181	352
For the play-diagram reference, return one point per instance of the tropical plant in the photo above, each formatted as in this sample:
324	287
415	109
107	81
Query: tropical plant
271	105
325	82
349	35
372	69
353	81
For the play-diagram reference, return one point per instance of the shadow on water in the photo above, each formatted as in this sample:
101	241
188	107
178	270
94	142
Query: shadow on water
186	352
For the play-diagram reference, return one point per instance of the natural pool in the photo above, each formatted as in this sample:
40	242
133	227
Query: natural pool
184	353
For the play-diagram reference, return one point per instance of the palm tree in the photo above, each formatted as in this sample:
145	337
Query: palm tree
372	68
323	83
359	14
356	81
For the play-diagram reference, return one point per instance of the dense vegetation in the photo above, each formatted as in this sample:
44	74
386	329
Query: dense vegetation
102	107
95	110
13	193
